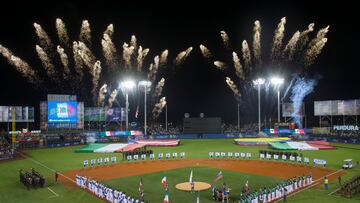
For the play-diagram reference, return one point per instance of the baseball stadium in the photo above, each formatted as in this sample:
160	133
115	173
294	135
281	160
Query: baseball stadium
111	108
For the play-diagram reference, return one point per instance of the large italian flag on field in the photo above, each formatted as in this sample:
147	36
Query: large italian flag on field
166	197
308	145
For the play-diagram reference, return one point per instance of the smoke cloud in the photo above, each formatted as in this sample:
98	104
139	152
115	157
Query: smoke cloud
301	88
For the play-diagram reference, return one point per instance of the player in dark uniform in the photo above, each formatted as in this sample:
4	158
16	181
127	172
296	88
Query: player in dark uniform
56	176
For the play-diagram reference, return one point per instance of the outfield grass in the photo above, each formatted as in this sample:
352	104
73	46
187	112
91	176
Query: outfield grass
62	159
155	193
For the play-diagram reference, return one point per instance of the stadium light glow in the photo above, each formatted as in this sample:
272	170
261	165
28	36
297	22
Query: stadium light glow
145	83
259	81
277	80
127	85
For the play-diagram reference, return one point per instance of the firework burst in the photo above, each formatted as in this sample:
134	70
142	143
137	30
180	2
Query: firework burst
78	63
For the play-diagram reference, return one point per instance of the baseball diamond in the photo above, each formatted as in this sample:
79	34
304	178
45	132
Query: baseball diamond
179	102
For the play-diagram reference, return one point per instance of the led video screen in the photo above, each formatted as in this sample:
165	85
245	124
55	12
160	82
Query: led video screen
62	111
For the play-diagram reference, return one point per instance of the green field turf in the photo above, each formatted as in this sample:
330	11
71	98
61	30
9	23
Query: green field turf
154	191
63	159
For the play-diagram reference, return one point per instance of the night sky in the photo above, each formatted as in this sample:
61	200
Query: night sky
196	86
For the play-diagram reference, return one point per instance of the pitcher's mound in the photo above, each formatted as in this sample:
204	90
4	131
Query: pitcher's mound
186	186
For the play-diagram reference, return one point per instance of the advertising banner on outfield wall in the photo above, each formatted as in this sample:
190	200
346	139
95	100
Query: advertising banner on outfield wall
96	114
337	108
115	114
4	113
22	113
80	115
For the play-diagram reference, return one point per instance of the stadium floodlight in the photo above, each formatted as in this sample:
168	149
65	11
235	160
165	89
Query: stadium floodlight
259	82
127	86
146	85
277	82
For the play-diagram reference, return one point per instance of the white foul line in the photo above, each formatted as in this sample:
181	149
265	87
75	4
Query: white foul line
45	166
55	194
334	191
314	184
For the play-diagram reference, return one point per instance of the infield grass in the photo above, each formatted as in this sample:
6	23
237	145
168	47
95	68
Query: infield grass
63	159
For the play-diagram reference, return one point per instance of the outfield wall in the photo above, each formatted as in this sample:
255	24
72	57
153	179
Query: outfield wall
199	136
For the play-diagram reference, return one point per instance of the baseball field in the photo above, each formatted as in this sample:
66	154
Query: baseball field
125	176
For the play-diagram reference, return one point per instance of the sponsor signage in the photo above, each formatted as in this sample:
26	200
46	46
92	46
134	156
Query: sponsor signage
319	162
346	127
281	131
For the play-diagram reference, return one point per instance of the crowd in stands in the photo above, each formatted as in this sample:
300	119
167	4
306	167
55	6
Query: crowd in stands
106	192
340	136
61	138
250	128
277	192
32	178
6	151
351	187
158	129
230	128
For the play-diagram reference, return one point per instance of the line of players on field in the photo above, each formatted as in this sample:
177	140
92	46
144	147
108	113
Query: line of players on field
279	191
105	192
